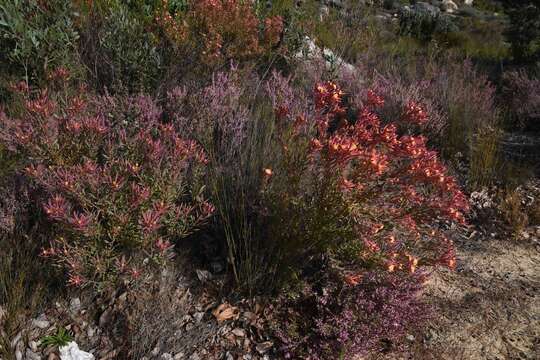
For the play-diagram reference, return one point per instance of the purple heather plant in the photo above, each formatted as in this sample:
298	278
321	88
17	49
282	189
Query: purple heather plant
332	319
523	95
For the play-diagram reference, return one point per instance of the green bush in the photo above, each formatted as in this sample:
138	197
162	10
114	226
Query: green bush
118	50
524	29
423	23
36	38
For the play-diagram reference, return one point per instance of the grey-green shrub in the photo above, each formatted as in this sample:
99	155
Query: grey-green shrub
36	38
424	22
118	50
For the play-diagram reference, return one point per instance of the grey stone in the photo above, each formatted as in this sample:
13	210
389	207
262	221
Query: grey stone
31	355
203	275
75	305
198	316
424	6
264	347
239	332
33	346
42	324
16	340
156	351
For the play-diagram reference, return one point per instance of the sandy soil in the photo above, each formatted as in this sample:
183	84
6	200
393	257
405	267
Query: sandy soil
490	306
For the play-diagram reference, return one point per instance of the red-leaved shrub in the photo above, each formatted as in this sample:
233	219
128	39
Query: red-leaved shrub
394	188
390	191
220	30
116	178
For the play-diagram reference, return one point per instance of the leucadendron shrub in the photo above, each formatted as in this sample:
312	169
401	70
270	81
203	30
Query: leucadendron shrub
119	183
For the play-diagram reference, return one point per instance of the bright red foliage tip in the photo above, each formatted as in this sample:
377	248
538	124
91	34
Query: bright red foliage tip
80	221
374	100
76	280
56	207
415	114
328	97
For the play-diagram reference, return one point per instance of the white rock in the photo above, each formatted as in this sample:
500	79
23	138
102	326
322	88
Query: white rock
72	352
16	340
468	2
312	52
156	351
90	332
33	346
323	12
198	316
449	6
239	332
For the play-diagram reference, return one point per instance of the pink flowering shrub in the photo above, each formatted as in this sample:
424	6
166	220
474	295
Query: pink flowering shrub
115	178
459	99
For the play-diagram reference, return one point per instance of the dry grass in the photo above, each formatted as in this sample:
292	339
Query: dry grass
534	214
485	158
513	212
159	317
25	282
22	291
